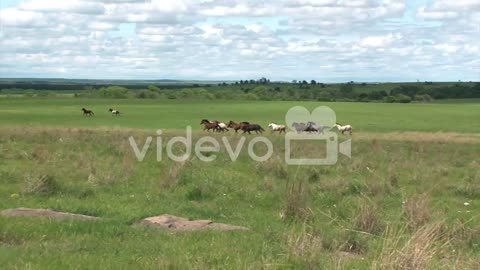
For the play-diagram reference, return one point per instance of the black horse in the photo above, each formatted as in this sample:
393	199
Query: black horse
252	127
87	112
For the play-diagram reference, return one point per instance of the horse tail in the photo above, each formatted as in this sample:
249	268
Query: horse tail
262	129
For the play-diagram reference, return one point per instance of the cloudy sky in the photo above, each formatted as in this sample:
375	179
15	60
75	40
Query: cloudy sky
326	40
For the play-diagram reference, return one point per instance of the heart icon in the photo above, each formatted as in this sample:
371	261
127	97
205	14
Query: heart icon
320	116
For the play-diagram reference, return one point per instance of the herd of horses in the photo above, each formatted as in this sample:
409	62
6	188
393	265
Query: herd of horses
217	126
247	127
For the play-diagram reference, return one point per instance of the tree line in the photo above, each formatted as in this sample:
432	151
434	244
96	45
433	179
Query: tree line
319	92
264	89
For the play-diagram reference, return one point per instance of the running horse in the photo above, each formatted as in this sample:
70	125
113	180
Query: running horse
207	125
279	128
237	126
114	112
87	112
252	127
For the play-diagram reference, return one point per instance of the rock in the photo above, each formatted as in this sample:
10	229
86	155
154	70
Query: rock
169	222
48	213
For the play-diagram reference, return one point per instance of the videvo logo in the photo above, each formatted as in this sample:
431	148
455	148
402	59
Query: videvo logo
323	119
303	126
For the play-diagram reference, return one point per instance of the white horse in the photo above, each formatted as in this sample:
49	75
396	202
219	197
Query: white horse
222	126
344	129
279	128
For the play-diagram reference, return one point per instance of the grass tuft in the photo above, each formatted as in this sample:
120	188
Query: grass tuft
44	185
416	211
416	253
369	218
296	205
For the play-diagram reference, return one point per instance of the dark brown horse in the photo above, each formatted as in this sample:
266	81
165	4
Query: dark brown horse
252	127
237	126
207	125
87	112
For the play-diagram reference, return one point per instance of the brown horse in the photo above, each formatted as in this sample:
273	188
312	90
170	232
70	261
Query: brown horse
237	126
87	112
207	125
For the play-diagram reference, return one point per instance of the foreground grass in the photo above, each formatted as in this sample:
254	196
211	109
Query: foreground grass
153	114
378	210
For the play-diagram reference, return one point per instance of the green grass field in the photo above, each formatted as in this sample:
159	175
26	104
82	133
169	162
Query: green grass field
372	117
412	202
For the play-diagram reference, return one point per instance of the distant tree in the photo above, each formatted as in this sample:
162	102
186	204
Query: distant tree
294	81
153	88
263	80
304	82
346	90
313	82
364	97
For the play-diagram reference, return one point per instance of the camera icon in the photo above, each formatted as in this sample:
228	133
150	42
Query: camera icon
309	131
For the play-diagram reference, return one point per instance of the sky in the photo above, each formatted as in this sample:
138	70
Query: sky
324	40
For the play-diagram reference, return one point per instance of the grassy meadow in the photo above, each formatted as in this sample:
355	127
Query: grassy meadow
153	114
408	199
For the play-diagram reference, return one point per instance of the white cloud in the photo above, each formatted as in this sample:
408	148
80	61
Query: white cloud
436	15
73	6
379	41
13	17
285	39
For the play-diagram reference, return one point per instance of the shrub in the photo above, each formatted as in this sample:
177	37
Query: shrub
113	92
423	98
400	98
147	94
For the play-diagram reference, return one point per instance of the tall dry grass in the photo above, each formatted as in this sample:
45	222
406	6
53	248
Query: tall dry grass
414	253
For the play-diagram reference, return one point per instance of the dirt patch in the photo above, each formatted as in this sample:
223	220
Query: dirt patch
45	213
7	240
169	222
348	255
445	137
